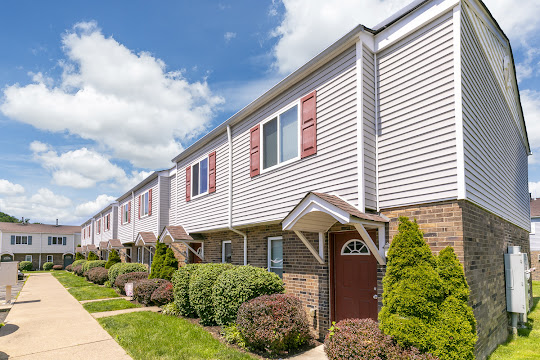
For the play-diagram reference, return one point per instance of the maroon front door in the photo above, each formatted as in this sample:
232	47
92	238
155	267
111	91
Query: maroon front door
354	280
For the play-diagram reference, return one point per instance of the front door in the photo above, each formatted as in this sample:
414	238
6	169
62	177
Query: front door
354	278
194	259
68	260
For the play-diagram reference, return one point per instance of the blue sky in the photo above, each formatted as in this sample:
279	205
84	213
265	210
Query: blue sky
77	76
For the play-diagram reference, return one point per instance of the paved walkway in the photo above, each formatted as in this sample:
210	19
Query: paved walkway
46	322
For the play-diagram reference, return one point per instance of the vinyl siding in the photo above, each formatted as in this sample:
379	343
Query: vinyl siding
496	172
105	235
147	223
417	134
125	231
272	194
535	238
368	116
40	244
164	202
208	211
174	200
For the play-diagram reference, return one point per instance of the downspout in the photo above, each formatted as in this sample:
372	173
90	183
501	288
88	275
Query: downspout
132	212
229	136
159	205
40	249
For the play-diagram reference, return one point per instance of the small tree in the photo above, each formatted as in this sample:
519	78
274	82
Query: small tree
157	261
113	259
92	256
170	265
79	256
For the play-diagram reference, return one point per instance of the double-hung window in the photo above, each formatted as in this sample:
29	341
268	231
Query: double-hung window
21	240
199	178
125	213
50	258
28	258
280	136
108	222
144	204
275	255
226	252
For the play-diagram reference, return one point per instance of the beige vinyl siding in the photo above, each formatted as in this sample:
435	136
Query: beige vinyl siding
272	194
417	136
208	211
125	231
147	223
173	200
368	116
164	202
496	172
105	235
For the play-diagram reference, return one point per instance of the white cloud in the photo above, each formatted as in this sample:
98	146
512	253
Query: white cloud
92	207
127	102
8	188
518	22
83	168
530	101
229	36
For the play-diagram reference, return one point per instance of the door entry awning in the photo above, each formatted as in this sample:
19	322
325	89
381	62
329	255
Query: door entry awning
317	212
146	239
177	234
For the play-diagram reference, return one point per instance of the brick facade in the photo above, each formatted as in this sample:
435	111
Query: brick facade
58	259
479	239
535	262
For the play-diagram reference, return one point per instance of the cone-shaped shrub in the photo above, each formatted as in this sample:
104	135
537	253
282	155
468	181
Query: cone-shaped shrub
170	265
79	256
412	289
180	282
92	256
157	261
114	258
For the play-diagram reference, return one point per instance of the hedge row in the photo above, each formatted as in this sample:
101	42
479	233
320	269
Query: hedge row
124	268
93	264
97	275
48	266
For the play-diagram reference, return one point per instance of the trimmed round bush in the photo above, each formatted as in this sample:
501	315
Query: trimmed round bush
48	266
69	267
114	258
26	266
77	263
180	281
238	285
163	294
133	277
92	264
124	268
57	267
77	270
200	290
98	275
273	323
143	289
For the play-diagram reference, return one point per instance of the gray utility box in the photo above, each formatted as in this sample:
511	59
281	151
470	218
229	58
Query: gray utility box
516	266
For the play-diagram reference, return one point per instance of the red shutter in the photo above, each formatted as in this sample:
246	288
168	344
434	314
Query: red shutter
212	172
254	150
188	183
129	212
149	202
309	124
139	206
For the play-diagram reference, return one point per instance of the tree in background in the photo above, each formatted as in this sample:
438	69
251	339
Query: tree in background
79	256
113	259
92	256
8	218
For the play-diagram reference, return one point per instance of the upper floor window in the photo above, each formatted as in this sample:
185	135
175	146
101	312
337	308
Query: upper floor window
144	205
21	240
108	222
126	216
280	138
57	240
199	175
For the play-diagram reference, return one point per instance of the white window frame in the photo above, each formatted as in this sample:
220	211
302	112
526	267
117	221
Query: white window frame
145	203
55	239
125	213
356	253
261	134
270	239
223	250
52	258
207	157
26	257
19	239
107	222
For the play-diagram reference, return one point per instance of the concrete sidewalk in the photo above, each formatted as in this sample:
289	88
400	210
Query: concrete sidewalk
47	322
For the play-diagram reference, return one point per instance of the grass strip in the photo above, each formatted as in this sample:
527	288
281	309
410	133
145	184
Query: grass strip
70	280
149	335
82	289
109	305
527	345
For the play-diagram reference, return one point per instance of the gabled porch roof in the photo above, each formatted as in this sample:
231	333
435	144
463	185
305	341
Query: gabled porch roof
103	245
146	239
177	234
115	244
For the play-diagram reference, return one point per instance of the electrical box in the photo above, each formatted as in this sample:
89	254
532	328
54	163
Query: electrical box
9	273
516	266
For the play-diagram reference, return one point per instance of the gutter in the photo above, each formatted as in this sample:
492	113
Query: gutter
229	137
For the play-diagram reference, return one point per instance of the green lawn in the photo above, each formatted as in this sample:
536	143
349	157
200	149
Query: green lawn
82	289
109	305
527	345
149	335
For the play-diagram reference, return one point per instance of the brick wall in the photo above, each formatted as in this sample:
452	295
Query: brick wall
479	239
535	262
58	259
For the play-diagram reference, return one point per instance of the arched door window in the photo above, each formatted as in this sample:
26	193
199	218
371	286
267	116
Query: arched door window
355	247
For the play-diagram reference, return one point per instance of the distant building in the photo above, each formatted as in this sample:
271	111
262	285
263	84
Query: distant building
535	237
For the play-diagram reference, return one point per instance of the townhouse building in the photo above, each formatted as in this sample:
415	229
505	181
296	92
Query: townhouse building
38	243
419	116
535	237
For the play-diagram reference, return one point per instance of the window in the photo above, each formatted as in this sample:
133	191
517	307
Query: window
28	258
533	228
57	240
280	138
21	240
354	247
144	204
108	222
199	178
226	252
125	213
50	258
275	255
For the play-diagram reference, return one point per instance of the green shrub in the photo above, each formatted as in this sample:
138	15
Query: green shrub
273	323
93	264
180	281
97	275
124	268
26	266
77	270
79	256
77	263
164	263
170	309
48	266
238	285
133	277
92	256
200	290
69	268
57	267
232	335
143	290
114	258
